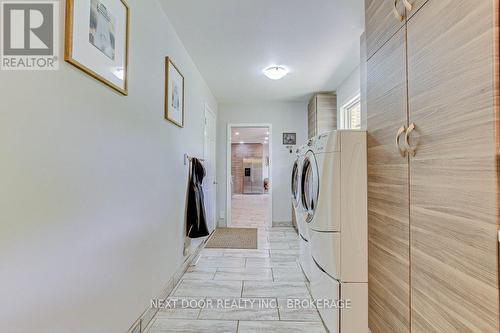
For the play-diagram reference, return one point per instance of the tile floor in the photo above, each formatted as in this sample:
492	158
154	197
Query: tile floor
242	279
250	211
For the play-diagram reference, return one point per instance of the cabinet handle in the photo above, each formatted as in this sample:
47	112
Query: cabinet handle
411	151
402	152
408	5
396	11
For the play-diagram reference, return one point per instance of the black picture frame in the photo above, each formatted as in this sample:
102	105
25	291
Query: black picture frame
289	139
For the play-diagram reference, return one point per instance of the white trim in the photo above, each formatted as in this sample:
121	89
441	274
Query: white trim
228	167
342	117
214	115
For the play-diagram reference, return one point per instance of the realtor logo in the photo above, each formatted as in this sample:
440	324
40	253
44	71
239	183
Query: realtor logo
30	35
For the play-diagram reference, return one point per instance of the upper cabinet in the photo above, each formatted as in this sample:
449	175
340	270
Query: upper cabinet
383	18
322	114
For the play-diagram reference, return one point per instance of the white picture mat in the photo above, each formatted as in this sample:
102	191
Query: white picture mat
175	77
87	54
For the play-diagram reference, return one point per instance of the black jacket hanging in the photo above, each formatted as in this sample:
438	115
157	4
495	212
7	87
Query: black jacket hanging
196	220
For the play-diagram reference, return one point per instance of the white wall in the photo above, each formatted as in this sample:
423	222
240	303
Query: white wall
349	88
93	187
284	117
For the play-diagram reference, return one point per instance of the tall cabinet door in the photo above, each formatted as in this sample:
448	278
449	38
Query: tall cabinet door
381	22
453	209
388	220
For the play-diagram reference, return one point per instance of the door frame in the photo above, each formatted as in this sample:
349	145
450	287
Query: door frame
230	127
209	110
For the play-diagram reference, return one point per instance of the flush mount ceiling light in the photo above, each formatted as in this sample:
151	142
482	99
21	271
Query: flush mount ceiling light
275	72
237	133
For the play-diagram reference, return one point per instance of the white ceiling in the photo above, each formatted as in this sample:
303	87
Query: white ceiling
249	134
232	41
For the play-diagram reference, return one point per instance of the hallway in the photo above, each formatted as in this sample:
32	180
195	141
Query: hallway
268	276
250	211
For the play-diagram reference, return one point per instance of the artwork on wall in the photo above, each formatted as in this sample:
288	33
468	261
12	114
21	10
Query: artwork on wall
289	139
174	94
97	40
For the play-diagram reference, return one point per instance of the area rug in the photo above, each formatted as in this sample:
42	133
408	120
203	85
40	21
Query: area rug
233	238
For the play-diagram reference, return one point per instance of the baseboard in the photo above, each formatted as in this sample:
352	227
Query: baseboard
144	320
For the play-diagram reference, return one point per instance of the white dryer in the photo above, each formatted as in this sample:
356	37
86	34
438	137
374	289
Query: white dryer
296	192
334	196
305	258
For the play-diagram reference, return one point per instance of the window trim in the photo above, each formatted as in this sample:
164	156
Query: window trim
344	124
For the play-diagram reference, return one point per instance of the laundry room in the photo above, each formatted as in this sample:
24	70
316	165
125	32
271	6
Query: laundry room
323	166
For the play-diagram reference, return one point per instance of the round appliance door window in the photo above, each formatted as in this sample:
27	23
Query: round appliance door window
310	185
295	182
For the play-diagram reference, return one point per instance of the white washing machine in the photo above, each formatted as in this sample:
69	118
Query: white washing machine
334	197
296	192
305	258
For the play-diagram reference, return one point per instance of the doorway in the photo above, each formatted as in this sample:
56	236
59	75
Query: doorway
249	190
210	183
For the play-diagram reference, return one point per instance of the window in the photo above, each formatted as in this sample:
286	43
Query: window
350	114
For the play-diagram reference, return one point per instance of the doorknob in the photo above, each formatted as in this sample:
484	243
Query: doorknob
401	130
411	151
396	12
215	182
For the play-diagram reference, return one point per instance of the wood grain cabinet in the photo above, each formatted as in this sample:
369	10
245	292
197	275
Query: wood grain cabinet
453	207
432	172
388	201
322	114
383	18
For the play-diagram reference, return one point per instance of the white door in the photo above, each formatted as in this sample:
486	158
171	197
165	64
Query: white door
210	183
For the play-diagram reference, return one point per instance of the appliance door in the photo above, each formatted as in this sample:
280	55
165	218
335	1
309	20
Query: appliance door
324	288
325	249
295	184
257	177
247	176
310	186
253	182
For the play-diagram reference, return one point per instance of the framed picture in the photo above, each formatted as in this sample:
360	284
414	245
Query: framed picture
174	93
97	40
289	139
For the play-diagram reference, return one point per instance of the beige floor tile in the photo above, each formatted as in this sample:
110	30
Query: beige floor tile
178	313
221	262
247	274
271	271
193	326
288	274
249	210
208	288
270	262
199	273
242	309
280	327
291	311
275	289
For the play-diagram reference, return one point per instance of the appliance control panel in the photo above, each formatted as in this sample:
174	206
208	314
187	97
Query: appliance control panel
321	142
